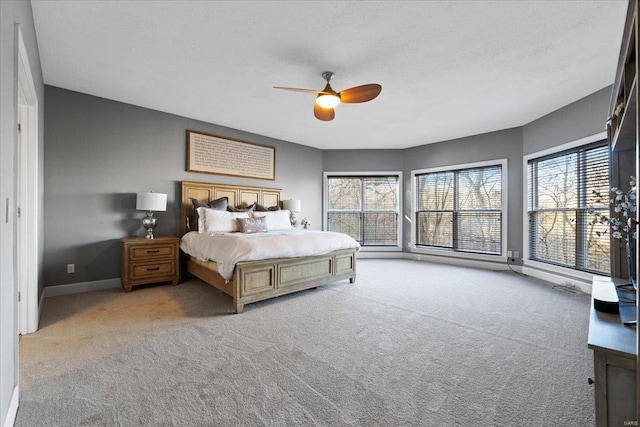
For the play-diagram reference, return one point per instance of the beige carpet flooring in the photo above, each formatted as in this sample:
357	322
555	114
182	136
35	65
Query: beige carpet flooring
409	344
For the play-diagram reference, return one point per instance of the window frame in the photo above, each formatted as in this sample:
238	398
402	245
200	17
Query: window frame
539	265
432	250
365	174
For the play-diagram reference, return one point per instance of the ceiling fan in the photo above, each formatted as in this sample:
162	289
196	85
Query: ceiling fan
328	99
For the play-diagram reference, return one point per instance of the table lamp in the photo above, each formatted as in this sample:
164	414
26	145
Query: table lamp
150	202
292	206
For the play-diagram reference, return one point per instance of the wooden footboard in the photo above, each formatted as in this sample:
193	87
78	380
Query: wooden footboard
259	280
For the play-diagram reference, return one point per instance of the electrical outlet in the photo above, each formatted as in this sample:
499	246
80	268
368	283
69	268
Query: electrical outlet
509	254
516	254
71	268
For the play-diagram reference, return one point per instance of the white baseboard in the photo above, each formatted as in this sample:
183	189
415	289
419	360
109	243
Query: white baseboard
76	288
463	262
558	279
583	286
380	254
572	283
12	411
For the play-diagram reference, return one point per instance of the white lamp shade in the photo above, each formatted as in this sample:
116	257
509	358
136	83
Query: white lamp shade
328	100
151	202
291	205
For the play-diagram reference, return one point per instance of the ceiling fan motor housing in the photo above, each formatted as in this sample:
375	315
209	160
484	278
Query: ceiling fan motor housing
328	75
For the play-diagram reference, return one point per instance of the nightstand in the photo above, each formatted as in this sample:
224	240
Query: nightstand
149	261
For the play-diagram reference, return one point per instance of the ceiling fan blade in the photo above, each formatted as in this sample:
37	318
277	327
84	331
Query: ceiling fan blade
362	93
317	92
324	114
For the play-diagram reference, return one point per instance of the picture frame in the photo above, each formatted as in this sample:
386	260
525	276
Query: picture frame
223	156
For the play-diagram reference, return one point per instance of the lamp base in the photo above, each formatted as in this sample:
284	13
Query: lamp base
149	223
292	219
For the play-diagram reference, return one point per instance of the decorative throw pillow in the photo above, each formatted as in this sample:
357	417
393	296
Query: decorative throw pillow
234	209
194	223
211	220
252	225
276	220
257	207
217	204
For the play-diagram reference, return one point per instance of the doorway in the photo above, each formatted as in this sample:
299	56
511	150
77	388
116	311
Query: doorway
27	199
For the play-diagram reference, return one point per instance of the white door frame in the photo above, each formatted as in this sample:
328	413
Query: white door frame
27	195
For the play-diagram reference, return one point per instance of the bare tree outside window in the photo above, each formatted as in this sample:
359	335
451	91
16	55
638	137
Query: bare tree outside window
563	189
364	207
434	216
557	200
460	209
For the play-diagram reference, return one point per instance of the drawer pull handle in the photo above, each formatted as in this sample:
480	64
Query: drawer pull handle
153	252
153	269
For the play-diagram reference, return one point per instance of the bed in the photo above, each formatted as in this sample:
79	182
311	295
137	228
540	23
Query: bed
258	280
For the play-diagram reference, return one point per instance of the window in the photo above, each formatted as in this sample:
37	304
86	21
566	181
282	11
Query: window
562	189
366	207
460	209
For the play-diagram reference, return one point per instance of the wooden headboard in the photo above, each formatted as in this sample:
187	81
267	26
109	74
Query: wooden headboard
239	196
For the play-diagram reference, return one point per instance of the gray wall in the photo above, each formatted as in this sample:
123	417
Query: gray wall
99	153
490	146
362	160
12	12
583	118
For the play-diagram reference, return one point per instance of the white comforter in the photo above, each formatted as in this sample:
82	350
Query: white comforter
226	249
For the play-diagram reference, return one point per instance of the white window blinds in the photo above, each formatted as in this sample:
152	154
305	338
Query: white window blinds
460	210
562	189
364	207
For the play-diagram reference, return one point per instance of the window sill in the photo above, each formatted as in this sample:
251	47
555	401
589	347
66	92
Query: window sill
565	276
569	272
380	249
453	254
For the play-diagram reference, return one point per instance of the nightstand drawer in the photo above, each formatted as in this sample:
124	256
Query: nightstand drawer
147	252
150	271
149	260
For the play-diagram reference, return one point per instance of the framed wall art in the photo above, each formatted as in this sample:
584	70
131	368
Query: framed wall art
221	156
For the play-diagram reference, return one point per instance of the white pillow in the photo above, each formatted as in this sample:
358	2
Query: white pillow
211	220
276	220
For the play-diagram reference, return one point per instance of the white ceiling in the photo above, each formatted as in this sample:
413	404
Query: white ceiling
447	69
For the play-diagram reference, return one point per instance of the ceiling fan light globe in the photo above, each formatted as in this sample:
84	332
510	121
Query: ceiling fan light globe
328	100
